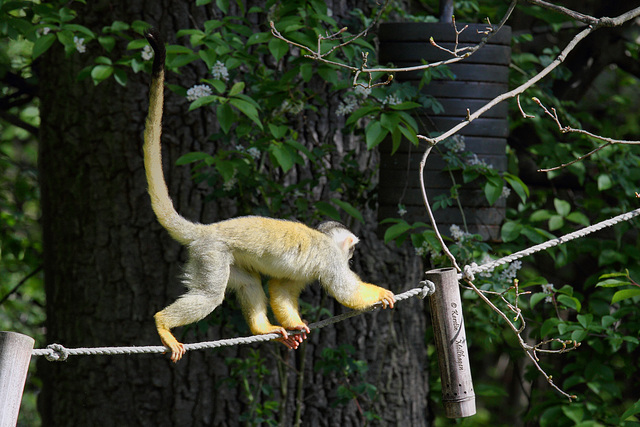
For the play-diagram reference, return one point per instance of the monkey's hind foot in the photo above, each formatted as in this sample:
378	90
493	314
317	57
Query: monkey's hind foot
168	340
293	341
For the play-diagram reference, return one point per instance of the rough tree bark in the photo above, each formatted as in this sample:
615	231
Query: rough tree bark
109	266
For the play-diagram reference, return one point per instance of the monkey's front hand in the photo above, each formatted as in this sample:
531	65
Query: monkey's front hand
387	298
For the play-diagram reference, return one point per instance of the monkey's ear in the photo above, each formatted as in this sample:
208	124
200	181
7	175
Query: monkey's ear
347	243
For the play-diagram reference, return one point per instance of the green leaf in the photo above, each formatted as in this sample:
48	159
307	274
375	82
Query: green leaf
540	215
604	182
579	335
410	134
612	283
81	29
570	302
374	134
278	132
107	42
103	60
100	73
283	155
493	189
259	38
510	231
278	48
349	208
237	88
562	207
574	412
327	210
223	5
389	121
359	113
625	294
396	231
407	105
611	256
633	410
225	116
585	320
181	60
227	169
536	298
518	186
579	218
556	222
120	76
193	157
42	45
549	327
306	71
247	109
202	101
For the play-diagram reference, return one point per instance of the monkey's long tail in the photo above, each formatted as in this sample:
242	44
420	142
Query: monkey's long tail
178	227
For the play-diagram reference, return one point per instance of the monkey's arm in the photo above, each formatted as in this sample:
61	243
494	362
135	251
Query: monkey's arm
352	292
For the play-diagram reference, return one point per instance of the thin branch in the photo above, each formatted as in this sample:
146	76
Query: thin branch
20	283
568	129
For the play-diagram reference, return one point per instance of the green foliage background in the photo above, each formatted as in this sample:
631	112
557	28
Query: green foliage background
257	106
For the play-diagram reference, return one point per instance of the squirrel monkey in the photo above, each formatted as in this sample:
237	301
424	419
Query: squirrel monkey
235	253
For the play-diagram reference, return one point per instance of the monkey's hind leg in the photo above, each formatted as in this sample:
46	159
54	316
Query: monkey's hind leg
284	296
253	300
189	308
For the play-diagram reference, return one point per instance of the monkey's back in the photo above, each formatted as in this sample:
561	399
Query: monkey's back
275	247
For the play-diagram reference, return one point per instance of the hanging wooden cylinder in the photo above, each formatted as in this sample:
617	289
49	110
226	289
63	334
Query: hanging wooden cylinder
458	397
478	79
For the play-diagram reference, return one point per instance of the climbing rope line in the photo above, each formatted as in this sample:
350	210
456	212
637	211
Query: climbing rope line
470	270
57	352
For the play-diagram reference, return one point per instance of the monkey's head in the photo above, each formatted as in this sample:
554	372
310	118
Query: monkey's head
341	236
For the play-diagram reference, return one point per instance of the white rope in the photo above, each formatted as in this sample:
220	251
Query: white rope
469	270
57	352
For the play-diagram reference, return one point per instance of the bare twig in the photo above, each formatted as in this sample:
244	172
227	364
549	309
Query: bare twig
568	129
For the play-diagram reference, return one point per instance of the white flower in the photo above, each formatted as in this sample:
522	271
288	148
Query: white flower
391	100
509	273
362	91
228	186
198	91
147	53
219	71
506	191
350	103
421	251
476	161
254	152
455	143
402	210
457	234
44	31
548	288
79	42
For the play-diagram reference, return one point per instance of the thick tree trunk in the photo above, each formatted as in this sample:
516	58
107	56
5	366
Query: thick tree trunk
109	267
